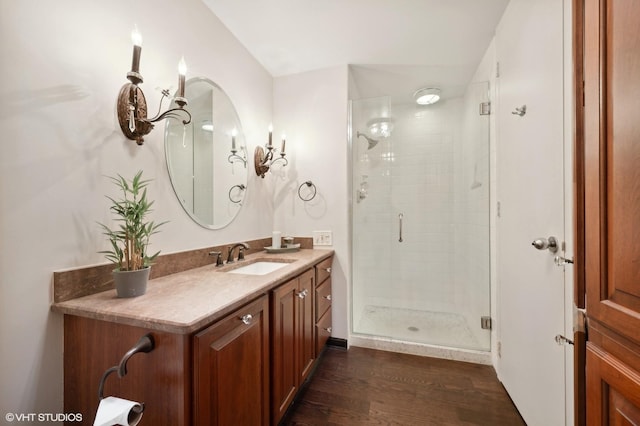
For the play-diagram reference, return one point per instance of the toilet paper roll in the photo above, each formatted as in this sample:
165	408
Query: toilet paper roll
276	239
117	411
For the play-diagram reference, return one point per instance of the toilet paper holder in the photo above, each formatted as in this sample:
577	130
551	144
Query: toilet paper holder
145	344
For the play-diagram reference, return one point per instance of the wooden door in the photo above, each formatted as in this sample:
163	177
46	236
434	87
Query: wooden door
285	352
231	369
612	210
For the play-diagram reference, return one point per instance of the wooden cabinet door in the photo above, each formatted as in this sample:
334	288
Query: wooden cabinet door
612	209
285	359
306	291
231	369
293	344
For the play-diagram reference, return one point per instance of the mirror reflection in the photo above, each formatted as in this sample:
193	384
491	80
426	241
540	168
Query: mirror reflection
207	159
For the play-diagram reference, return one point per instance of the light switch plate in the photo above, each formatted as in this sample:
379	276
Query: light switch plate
322	238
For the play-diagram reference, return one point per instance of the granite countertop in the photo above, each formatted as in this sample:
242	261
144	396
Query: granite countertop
187	301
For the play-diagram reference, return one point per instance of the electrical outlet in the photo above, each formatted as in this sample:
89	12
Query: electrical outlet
322	238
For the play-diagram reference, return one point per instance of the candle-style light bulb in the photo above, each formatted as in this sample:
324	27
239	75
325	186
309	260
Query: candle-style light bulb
136	39
182	72
132	118
234	133
270	134
284	141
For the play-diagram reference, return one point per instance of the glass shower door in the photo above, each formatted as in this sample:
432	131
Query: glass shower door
371	215
421	221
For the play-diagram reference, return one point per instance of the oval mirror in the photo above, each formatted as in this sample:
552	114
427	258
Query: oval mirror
207	159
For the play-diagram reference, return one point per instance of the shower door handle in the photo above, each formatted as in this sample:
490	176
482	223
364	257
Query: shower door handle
400	217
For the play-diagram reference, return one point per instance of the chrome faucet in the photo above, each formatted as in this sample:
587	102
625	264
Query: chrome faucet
243	247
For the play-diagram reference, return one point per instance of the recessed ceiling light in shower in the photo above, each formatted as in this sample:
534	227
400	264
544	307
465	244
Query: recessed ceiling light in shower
427	96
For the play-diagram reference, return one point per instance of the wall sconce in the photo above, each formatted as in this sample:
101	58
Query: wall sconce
234	157
132	105
264	161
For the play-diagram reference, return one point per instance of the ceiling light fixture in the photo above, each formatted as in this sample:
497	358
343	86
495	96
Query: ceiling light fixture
427	96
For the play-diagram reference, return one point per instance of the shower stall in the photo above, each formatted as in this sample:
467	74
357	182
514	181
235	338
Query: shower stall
420	223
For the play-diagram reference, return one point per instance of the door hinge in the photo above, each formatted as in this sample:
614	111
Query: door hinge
579	320
485	108
485	323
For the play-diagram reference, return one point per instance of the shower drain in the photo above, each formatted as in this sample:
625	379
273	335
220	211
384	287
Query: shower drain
412	328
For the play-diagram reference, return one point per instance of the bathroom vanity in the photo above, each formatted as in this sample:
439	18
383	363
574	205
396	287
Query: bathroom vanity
230	348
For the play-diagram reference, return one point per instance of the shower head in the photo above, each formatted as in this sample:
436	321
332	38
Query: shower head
372	142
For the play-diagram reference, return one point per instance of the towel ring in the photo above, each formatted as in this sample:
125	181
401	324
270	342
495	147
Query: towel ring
241	187
313	189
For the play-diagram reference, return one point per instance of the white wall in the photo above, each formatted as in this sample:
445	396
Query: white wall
63	64
311	108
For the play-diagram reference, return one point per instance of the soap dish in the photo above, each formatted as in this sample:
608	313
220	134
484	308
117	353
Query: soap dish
287	249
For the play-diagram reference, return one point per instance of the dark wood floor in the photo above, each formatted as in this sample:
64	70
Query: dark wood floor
368	387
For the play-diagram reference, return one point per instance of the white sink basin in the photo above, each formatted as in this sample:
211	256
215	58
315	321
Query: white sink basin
258	268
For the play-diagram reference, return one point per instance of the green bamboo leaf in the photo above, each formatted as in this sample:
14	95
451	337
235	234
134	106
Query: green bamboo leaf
130	238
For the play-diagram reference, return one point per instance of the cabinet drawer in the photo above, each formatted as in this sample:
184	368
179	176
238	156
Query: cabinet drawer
323	270
323	298
323	331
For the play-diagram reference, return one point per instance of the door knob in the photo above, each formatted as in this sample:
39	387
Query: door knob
550	244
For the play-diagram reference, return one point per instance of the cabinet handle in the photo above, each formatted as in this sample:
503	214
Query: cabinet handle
328	329
303	294
247	319
328	269
328	297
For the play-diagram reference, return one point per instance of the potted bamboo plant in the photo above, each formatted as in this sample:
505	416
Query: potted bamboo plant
129	241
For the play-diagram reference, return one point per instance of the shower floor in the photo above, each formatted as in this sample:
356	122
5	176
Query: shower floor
433	328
